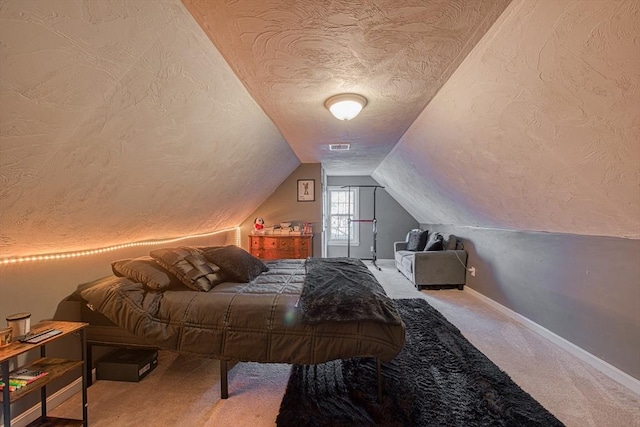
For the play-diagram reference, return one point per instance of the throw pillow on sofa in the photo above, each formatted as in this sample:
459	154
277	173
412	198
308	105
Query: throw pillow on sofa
435	242
416	240
451	244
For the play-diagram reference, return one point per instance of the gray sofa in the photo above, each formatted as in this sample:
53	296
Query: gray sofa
433	268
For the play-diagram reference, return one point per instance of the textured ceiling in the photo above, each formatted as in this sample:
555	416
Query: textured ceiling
538	129
121	122
293	55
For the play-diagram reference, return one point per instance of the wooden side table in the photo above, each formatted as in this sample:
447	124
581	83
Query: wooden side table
53	366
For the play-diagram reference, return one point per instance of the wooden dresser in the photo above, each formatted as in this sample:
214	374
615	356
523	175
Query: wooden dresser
278	247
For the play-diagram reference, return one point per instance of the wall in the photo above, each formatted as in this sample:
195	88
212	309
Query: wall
40	288
283	206
585	289
393	220
37	287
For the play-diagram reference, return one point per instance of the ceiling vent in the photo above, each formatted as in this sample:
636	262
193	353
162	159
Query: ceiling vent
339	147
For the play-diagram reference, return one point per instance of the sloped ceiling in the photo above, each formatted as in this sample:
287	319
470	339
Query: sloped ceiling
292	56
121	122
538	129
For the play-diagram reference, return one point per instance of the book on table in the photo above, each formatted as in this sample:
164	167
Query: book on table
21	377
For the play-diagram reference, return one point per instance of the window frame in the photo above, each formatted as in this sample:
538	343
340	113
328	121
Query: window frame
355	201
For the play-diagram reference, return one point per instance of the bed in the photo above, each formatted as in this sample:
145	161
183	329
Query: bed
225	304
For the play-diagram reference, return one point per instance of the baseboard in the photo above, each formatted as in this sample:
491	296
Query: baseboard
609	370
56	399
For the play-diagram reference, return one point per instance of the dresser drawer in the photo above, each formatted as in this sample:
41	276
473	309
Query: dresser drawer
280	247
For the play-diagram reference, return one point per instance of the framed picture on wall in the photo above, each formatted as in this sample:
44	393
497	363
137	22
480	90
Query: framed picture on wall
306	190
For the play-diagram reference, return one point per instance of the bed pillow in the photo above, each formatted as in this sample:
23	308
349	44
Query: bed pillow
435	242
236	263
190	266
147	271
416	239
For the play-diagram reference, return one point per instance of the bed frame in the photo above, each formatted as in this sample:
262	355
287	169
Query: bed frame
101	332
224	366
340	312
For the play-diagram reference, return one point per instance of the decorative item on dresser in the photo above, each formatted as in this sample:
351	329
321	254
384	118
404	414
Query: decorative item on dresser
281	247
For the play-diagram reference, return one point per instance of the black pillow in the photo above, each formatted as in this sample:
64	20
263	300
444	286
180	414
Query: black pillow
237	264
190	266
435	242
416	239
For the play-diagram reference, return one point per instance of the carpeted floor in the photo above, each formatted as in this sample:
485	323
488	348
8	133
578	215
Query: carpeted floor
438	379
185	390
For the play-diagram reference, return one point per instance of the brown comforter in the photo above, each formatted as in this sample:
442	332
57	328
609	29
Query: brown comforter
259	321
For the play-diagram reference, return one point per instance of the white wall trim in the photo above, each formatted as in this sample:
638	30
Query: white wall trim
609	370
53	401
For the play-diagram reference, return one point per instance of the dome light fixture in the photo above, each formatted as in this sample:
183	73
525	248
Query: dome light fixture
345	106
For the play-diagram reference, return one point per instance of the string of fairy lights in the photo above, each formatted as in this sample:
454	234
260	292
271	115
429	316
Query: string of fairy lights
82	253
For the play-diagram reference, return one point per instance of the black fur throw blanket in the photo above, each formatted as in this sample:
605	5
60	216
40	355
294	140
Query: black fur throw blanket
344	290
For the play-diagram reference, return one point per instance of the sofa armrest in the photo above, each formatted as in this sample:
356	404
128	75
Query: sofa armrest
440	267
399	246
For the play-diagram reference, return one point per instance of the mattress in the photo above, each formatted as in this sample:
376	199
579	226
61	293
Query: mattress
258	321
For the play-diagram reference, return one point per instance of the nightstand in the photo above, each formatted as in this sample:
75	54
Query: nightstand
54	368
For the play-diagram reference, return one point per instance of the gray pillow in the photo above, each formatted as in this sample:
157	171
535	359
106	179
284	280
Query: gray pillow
416	239
190	266
236	263
451	244
147	271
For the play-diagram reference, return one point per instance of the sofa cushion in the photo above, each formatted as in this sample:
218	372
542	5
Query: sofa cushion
451	243
435	242
416	239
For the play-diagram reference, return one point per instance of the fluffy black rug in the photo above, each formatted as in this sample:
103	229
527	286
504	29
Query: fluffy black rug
438	379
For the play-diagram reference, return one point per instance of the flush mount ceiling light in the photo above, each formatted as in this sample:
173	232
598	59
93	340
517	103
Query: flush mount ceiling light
346	105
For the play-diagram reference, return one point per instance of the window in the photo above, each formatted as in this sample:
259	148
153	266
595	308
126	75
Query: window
343	204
